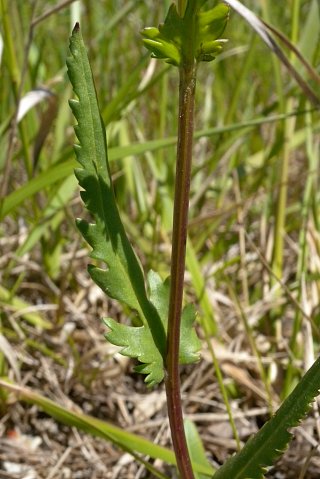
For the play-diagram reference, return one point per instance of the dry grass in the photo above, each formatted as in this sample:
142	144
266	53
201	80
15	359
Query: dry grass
84	372
51	334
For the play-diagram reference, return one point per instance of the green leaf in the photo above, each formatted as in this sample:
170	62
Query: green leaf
122	277
272	439
189	342
136	342
195	36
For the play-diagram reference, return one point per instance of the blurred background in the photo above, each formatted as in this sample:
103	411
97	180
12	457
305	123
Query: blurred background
253	259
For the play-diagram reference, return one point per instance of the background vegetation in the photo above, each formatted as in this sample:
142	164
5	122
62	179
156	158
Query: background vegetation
254	247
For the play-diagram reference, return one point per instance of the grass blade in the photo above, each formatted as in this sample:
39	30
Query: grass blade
96	427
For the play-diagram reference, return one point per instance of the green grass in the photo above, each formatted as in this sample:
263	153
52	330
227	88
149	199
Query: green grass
250	157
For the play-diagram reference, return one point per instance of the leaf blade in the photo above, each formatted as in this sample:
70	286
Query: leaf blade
263	448
122	278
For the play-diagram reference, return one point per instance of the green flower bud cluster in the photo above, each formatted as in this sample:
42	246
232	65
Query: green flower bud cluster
171	40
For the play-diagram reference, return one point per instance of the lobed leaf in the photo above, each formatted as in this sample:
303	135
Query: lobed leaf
107	236
189	342
122	278
120	275
136	342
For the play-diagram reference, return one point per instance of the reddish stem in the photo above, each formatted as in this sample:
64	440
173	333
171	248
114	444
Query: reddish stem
179	239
